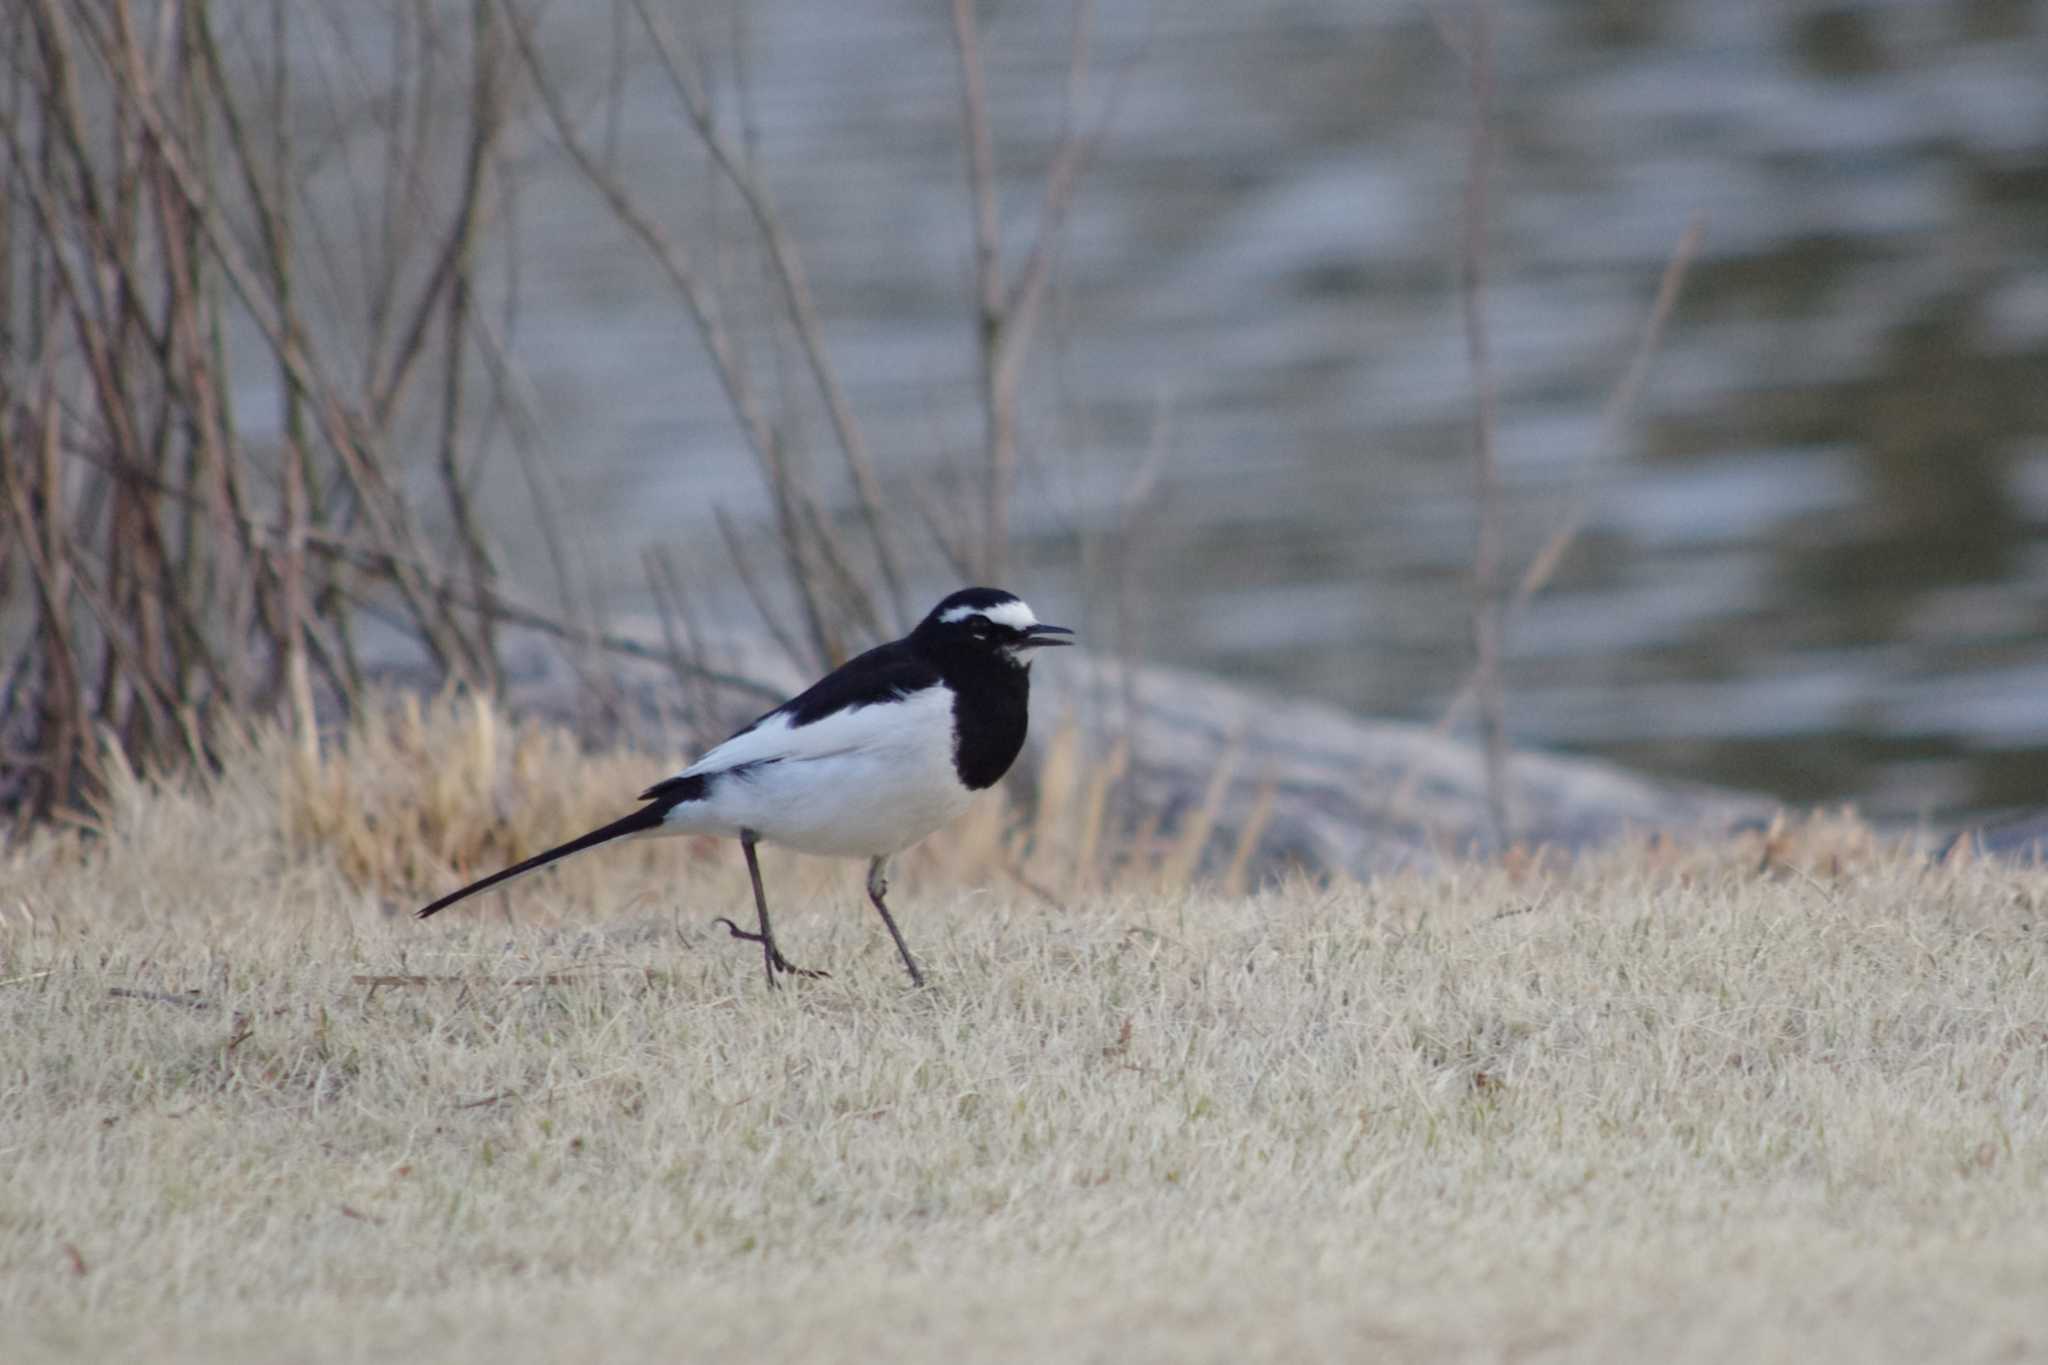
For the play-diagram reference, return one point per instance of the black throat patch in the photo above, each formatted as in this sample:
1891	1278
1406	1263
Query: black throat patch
991	712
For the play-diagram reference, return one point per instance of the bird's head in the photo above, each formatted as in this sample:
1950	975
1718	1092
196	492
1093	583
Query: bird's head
989	622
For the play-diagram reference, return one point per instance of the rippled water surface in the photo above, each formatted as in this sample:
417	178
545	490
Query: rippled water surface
1816	560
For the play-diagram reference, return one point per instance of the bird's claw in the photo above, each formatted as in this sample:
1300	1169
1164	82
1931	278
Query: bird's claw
775	957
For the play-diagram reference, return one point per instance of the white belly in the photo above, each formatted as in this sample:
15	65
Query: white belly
859	805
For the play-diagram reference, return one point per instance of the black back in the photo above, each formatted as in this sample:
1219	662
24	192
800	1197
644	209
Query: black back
885	673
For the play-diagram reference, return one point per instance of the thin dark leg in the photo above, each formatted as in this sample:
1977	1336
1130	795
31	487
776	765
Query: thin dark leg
769	952
878	886
772	960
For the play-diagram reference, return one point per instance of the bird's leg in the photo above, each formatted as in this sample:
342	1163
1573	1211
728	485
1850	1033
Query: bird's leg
771	956
878	886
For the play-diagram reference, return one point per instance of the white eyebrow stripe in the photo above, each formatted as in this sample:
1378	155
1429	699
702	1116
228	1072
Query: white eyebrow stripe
1013	614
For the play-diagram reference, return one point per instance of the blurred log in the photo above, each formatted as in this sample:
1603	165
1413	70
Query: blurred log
1339	792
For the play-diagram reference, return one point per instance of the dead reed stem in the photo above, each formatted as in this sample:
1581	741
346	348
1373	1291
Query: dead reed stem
1487	551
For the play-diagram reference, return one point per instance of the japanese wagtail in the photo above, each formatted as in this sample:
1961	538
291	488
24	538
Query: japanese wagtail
873	757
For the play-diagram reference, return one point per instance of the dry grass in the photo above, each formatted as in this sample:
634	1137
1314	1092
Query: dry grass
1672	1105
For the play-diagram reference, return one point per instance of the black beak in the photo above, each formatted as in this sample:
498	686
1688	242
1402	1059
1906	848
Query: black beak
1042	634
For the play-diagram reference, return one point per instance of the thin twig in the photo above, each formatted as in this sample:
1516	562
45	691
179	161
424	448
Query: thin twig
485	118
738	169
489	1100
388	517
999	429
493	601
736	552
378	981
1486	555
1006	315
727	362
191	1001
1619	407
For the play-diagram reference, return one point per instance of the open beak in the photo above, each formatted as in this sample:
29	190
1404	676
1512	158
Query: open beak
1042	634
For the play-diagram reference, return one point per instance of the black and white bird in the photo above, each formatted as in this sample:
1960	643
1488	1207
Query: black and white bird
873	757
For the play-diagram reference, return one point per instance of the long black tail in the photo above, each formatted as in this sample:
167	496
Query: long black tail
641	821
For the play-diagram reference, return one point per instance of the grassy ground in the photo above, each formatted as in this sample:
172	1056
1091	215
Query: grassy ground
1675	1105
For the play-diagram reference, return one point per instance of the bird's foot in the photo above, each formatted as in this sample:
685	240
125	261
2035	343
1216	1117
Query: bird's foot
776	961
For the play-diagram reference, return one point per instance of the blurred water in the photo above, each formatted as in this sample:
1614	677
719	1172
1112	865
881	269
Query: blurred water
1817	561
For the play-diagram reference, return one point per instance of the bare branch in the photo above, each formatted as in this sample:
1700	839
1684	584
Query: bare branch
1486	556
998	412
1614	419
738	168
1007	315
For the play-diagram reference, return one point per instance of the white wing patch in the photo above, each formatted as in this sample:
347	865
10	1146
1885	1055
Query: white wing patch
1013	613
869	781
771	740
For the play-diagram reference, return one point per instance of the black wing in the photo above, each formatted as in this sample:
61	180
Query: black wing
884	673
